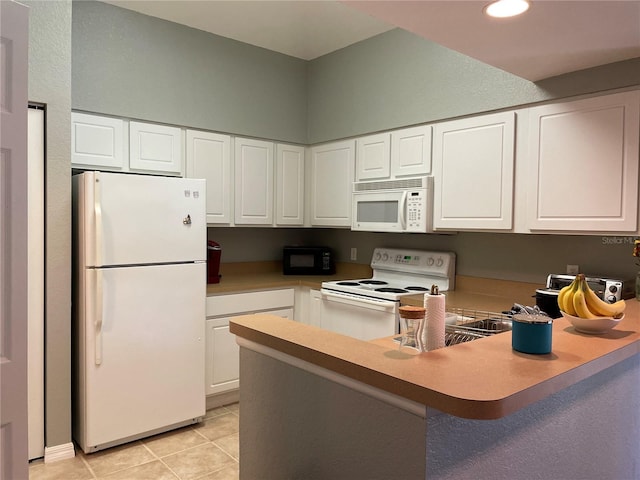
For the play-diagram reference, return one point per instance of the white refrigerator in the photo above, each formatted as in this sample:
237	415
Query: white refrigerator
139	306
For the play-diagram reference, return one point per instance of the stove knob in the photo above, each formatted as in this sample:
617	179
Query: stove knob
439	262
385	257
430	261
613	289
377	256
611	298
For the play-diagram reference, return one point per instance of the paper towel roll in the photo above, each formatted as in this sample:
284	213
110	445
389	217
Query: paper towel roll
434	321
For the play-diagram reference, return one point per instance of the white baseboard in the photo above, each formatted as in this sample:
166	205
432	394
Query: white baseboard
59	452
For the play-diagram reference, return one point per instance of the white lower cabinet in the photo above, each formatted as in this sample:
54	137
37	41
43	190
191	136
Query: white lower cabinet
222	360
315	308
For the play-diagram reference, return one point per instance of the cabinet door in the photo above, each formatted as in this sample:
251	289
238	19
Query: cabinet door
253	181
332	167
373	157
583	165
289	185
97	142
473	173
155	148
315	308
411	151
209	157
222	368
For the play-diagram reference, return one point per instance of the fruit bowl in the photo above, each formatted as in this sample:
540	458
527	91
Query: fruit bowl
592	326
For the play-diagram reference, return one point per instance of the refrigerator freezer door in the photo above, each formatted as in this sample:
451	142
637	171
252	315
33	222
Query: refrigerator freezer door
126	219
142	358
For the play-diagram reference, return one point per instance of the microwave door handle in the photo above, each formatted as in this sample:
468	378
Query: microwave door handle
403	210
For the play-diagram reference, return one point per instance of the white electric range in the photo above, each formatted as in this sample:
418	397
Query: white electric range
368	308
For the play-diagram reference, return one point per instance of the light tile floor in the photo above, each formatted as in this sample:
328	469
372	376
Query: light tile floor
205	451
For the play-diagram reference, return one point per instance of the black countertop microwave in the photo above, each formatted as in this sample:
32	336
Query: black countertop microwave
307	261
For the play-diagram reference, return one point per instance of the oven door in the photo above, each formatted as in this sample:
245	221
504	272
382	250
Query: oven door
358	316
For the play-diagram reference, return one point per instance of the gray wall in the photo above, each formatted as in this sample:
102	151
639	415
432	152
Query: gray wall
505	256
50	84
397	79
132	65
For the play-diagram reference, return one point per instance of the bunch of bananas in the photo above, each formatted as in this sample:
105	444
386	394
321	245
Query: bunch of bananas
579	300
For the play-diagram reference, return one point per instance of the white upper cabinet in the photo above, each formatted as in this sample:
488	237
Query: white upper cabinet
155	148
253	169
331	177
583	165
411	151
209	157
373	157
289	184
97	142
473	166
396	154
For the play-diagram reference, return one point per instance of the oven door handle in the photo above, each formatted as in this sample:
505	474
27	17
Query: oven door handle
359	302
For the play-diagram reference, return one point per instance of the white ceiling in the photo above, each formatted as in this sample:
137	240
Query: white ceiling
552	38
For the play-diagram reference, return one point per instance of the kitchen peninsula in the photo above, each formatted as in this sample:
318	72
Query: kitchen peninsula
316	404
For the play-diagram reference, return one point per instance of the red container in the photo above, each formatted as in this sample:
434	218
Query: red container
214	252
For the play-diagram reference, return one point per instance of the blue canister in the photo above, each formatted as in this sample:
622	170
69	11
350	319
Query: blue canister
531	333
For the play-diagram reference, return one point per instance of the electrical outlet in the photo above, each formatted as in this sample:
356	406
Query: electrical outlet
354	253
573	269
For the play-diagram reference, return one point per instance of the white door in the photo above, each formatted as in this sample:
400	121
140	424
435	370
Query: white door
141	218
14	33
411	151
579	148
142	355
36	283
253	182
97	142
209	157
155	148
373	157
473	168
289	184
331	171
362	318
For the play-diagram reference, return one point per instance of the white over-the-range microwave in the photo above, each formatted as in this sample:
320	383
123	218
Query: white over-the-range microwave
402	205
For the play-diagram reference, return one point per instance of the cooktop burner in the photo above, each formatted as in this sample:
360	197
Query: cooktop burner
391	290
397	273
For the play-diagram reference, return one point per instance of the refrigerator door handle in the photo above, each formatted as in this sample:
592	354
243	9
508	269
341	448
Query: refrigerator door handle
98	317
97	210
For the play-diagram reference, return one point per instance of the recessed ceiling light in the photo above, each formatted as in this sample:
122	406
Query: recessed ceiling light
506	8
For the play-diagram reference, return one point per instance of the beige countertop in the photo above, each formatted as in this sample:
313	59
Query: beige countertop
483	379
470	292
247	276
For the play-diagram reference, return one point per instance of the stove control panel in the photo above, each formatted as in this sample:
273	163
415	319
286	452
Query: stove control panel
416	261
